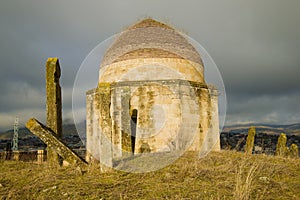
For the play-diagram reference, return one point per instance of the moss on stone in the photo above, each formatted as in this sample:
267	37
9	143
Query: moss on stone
103	99
145	148
53	105
145	104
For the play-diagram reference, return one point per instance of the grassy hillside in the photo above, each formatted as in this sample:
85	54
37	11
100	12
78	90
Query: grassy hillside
220	175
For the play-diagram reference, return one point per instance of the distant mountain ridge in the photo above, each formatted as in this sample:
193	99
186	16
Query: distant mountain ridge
70	129
290	129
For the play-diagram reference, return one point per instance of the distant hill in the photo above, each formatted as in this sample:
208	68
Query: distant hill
291	129
68	129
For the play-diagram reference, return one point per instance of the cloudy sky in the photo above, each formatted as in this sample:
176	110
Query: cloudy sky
255	44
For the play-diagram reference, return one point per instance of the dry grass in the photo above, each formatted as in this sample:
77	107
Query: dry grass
222	175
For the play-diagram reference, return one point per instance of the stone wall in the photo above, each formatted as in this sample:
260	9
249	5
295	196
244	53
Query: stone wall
26	156
171	115
99	129
141	69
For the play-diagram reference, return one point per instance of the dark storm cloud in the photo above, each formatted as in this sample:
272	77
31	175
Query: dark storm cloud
255	44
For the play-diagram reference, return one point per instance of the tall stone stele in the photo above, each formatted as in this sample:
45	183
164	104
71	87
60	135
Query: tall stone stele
250	140
281	149
53	106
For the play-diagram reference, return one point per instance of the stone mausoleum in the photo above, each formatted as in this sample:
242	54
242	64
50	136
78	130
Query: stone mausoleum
151	97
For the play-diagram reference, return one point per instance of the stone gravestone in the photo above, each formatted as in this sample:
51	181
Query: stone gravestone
52	133
281	148
250	140
57	146
53	106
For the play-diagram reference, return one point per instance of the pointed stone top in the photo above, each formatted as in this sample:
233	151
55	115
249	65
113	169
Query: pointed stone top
52	59
149	22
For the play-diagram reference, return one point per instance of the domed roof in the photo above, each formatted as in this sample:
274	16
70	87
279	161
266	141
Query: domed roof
150	39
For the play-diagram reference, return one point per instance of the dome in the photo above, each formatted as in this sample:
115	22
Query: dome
154	40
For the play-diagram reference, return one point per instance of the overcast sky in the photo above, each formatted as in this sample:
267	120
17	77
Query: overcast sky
255	44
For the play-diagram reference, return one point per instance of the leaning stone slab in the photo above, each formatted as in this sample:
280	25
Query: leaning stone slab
49	137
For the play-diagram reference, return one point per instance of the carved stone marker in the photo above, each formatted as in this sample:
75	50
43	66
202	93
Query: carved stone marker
294	151
54	144
281	148
53	105
250	140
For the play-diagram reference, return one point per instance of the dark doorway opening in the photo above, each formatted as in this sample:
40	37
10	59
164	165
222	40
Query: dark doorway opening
133	124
